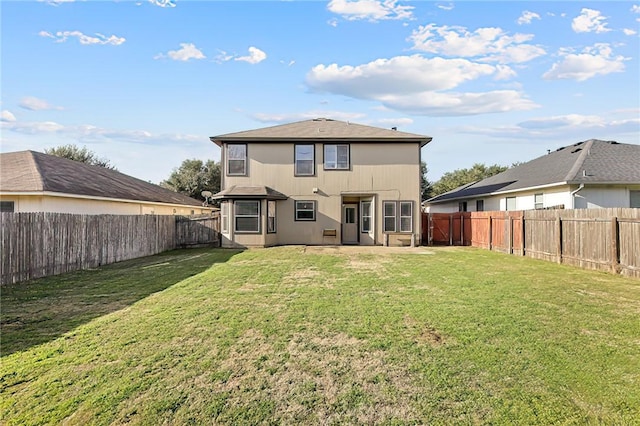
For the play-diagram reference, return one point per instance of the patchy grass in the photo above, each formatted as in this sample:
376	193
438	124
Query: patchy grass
288	335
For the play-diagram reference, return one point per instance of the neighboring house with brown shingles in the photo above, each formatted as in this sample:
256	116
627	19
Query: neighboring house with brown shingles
318	182
586	175
35	182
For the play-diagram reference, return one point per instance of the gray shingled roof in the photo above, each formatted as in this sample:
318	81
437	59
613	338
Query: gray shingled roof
593	161
321	129
30	171
254	192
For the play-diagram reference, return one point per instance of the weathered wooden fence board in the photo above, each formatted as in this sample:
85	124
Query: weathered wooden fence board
35	245
603	239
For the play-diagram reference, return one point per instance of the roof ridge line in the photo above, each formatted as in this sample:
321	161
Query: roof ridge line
38	169
579	161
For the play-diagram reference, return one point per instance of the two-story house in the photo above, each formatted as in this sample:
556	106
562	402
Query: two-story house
318	182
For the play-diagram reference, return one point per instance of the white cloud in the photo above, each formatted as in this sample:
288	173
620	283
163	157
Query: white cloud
570	127
34	104
570	120
527	17
504	72
290	63
255	56
55	2
372	10
298	116
62	36
589	20
416	84
448	6
485	44
629	32
7	116
186	52
593	61
87	133
333	22
163	3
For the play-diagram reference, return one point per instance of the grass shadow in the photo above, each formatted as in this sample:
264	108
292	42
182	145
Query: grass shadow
38	311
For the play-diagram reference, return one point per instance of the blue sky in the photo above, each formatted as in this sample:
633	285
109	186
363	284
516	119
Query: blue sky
145	83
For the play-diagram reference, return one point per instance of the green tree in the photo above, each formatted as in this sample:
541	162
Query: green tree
83	155
426	188
459	177
193	176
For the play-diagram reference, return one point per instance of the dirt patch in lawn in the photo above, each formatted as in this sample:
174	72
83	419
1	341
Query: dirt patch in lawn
330	379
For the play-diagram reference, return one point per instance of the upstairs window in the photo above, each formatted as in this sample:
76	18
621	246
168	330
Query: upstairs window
511	203
336	157
236	159
305	160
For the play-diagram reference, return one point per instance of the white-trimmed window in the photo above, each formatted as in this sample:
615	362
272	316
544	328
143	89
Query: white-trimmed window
247	216
236	159
271	217
305	164
367	219
389	213
224	217
305	210
406	216
634	199
479	205
511	203
538	201
398	216
336	157
462	206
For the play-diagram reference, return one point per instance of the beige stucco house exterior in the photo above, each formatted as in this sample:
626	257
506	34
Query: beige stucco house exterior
320	182
35	182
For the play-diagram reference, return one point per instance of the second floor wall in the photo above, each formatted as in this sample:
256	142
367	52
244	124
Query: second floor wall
331	168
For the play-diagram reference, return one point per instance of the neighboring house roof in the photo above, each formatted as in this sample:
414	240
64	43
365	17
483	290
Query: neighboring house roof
253	192
321	129
593	161
30	171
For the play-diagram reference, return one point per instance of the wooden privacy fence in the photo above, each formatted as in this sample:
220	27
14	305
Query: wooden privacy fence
604	239
198	231
446	228
35	245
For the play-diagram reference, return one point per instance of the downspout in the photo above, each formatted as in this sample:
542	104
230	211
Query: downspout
573	195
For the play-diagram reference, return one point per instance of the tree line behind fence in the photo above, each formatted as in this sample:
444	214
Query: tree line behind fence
603	239
35	245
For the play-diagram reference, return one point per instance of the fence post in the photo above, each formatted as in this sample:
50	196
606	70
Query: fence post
522	233
461	229
615	245
490	230
510	235
559	241
451	229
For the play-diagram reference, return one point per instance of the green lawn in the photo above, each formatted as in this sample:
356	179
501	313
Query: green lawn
294	336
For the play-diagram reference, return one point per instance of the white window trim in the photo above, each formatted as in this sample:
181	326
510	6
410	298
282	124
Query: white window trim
348	167
536	203
275	215
224	217
370	216
410	216
385	216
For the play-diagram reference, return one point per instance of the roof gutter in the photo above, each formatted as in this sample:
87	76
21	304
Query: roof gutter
573	195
